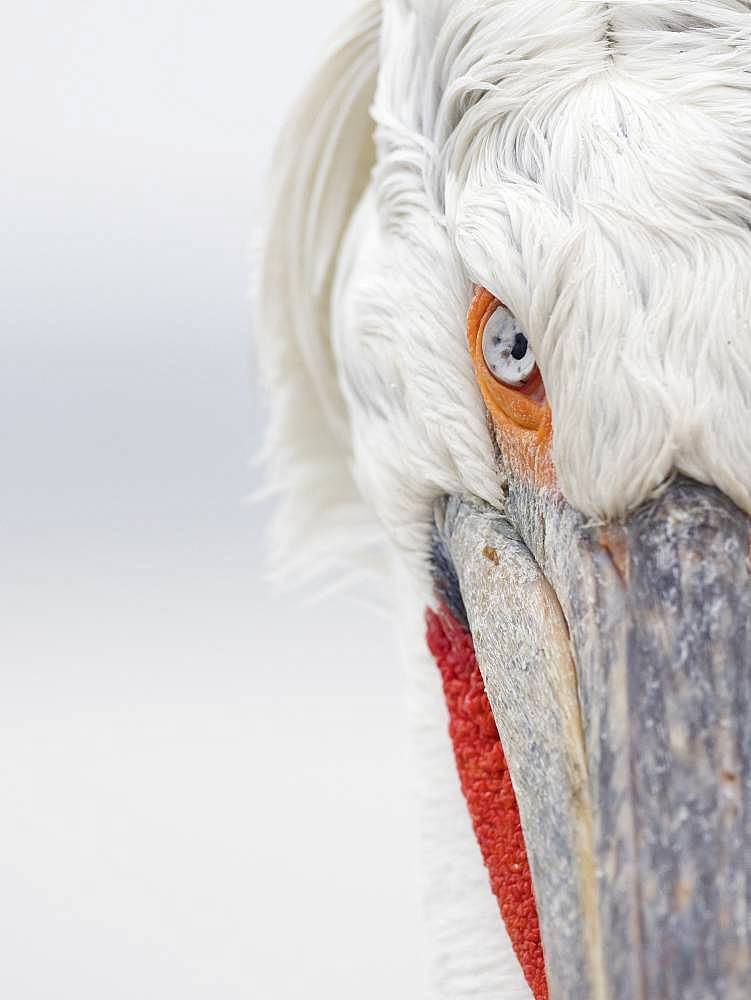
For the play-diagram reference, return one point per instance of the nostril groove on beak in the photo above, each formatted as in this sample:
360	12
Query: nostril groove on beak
613	540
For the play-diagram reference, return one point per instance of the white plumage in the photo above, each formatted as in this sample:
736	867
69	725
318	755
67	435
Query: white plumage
587	162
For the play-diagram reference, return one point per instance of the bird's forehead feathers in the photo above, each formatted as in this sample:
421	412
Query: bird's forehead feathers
591	165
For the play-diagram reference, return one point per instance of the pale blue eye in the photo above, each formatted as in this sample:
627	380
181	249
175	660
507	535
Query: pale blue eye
506	350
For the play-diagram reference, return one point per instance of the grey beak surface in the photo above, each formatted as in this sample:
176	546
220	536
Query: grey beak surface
617	661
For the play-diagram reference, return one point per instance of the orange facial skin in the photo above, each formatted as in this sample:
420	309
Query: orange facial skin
521	415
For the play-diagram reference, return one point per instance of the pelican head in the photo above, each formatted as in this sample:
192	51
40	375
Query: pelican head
505	318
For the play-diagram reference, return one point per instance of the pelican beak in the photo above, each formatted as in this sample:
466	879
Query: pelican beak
617	662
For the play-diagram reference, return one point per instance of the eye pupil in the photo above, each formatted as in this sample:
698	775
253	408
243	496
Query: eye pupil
520	347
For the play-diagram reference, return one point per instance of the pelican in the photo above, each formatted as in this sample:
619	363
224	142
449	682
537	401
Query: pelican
504	327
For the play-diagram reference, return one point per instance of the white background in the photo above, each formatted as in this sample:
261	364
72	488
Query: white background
203	790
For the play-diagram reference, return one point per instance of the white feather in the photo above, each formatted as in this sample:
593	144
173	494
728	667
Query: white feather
590	164
321	168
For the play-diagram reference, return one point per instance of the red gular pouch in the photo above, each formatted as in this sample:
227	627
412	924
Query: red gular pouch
486	784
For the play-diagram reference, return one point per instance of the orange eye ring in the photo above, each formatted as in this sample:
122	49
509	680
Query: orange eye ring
520	414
